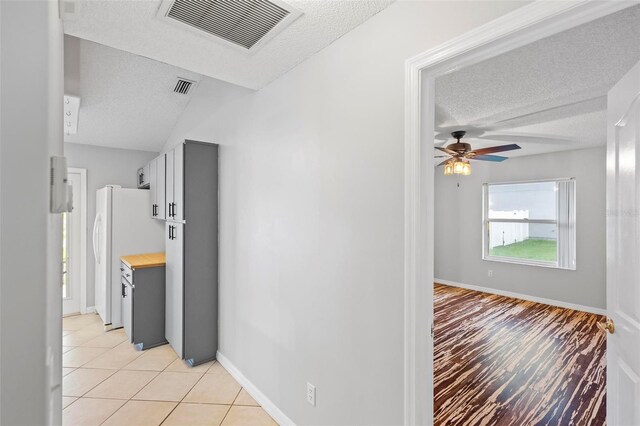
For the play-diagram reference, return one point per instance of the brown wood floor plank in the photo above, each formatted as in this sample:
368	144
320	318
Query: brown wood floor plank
509	362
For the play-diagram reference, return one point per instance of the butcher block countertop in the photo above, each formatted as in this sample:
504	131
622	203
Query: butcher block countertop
148	260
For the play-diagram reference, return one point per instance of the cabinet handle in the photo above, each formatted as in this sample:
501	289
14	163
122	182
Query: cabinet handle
170	210
174	209
124	293
121	269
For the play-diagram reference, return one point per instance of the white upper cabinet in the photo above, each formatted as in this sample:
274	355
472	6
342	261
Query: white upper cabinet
175	183
157	187
164	176
153	184
161	187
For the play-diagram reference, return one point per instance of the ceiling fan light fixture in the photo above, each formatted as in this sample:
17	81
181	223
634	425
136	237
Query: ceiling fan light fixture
466	169
458	167
448	169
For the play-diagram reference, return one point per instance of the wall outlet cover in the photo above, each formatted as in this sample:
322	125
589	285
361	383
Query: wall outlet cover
311	394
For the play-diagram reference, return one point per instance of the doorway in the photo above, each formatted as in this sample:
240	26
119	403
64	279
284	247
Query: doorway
519	28
74	246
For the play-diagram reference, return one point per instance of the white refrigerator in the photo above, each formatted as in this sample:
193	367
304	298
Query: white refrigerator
123	226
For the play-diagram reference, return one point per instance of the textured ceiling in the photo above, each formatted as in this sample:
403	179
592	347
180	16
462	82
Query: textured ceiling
550	95
126	101
133	26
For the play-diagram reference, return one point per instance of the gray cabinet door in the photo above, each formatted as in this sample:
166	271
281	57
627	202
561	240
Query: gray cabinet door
161	187
127	309
174	315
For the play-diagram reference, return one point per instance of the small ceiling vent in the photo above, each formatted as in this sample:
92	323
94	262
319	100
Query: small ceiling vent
245	24
183	86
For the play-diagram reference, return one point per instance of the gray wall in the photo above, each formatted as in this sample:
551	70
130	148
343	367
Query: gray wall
312	219
104	166
458	228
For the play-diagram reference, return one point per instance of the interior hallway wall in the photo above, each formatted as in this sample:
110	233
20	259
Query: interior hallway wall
458	228
312	218
31	86
105	166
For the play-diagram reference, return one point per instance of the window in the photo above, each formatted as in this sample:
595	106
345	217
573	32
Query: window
531	223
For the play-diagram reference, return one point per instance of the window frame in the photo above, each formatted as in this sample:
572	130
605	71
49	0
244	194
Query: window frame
486	226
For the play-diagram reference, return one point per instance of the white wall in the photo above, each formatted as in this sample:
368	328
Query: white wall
30	249
104	166
311	225
458	228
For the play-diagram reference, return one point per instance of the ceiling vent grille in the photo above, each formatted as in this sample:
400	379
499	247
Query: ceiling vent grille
243	23
183	86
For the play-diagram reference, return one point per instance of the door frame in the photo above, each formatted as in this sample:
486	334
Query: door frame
520	27
83	236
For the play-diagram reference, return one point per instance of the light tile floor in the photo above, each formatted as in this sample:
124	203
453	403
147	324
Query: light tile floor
106	381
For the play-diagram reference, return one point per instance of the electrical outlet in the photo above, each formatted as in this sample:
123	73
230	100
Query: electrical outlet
490	273
311	394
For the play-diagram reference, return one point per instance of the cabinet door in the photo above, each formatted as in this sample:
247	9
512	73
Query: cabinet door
169	184
127	309
153	178
161	187
174	316
178	182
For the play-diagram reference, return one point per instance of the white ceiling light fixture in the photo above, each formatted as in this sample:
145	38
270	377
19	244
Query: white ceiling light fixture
71	114
242	25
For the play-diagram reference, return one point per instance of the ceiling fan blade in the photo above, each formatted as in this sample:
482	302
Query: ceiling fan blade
496	158
493	149
443	163
448	151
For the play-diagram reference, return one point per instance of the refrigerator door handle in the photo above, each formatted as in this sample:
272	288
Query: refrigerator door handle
96	237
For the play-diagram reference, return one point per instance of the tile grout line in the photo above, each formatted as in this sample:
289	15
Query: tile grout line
231	406
158	373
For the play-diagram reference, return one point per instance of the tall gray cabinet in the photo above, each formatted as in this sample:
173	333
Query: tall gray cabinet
191	317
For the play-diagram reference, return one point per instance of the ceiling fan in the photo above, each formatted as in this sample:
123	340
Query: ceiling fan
460	153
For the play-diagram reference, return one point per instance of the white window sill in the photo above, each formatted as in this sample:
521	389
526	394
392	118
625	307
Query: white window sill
517	261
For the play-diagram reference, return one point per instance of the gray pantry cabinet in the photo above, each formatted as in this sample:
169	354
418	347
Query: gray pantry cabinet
191	237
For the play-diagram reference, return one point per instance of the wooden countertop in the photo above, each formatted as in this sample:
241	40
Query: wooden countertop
147	260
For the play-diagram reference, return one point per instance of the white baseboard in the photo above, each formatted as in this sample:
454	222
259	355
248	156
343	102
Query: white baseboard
90	310
260	398
597	311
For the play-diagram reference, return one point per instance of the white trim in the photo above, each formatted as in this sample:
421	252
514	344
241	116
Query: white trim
524	25
255	393
83	237
552	302
91	310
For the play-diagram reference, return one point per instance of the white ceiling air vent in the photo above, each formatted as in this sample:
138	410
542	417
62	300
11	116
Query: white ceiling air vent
243	24
183	86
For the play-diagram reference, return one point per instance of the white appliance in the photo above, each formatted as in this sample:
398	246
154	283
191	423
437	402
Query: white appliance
122	226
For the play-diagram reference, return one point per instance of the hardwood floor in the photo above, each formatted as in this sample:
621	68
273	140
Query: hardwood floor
505	361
